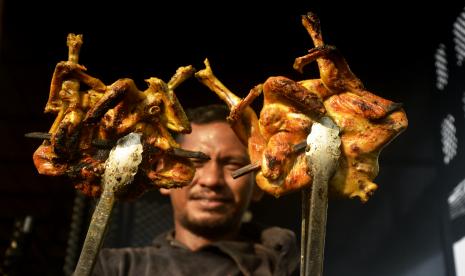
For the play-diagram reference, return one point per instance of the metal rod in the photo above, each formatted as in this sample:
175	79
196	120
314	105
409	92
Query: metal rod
299	147
95	234
322	157
304	231
38	135
252	167
120	167
245	170
190	154
105	144
317	226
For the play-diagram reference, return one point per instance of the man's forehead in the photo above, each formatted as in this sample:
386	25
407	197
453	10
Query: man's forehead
217	135
208	131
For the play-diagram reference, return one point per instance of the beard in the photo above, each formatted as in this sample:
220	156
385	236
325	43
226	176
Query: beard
213	227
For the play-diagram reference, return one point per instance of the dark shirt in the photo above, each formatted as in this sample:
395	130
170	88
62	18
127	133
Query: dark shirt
260	251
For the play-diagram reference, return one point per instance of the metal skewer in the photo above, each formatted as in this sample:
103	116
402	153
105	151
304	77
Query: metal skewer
256	166
306	193
38	135
179	152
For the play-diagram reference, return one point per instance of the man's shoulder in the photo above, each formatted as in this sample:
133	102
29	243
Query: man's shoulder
278	242
152	248
118	261
124	250
120	255
278	237
270	236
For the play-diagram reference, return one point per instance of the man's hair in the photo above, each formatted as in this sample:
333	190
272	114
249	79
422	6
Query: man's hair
208	114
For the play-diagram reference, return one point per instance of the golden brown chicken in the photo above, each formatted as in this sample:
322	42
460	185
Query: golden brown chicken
103	114
286	118
367	122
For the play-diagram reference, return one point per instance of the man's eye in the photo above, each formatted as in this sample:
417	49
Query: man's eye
198	163
234	166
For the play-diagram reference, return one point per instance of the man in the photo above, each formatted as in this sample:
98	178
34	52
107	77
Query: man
209	237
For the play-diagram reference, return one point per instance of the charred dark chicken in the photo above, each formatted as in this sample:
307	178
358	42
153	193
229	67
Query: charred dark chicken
103	114
367	122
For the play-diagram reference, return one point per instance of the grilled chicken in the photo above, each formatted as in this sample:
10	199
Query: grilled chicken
288	112
367	122
102	115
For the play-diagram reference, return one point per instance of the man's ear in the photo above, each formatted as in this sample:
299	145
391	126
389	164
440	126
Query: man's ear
165	192
257	193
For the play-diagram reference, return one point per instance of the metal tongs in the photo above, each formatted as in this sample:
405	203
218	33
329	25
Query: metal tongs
120	168
322	157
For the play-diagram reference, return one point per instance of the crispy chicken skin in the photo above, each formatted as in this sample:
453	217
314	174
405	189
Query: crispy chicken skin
288	112
105	114
286	118
367	122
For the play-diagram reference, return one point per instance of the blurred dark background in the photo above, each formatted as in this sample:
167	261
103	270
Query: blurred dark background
403	230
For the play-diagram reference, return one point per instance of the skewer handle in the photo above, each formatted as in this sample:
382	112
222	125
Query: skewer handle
315	240
306	193
322	157
120	167
95	234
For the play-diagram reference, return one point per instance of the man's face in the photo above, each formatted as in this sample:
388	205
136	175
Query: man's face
214	202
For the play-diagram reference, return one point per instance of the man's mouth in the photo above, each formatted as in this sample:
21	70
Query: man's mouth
211	202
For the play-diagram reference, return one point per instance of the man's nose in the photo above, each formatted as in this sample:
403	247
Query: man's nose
211	174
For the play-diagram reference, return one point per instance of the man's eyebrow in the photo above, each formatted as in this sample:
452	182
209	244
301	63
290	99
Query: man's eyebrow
244	159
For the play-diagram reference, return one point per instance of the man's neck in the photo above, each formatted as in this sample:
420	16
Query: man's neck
194	241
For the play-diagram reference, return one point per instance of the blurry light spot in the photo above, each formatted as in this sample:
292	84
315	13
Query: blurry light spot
448	138
442	73
457	201
459	38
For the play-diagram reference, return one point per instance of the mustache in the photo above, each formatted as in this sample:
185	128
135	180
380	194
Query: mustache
210	196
